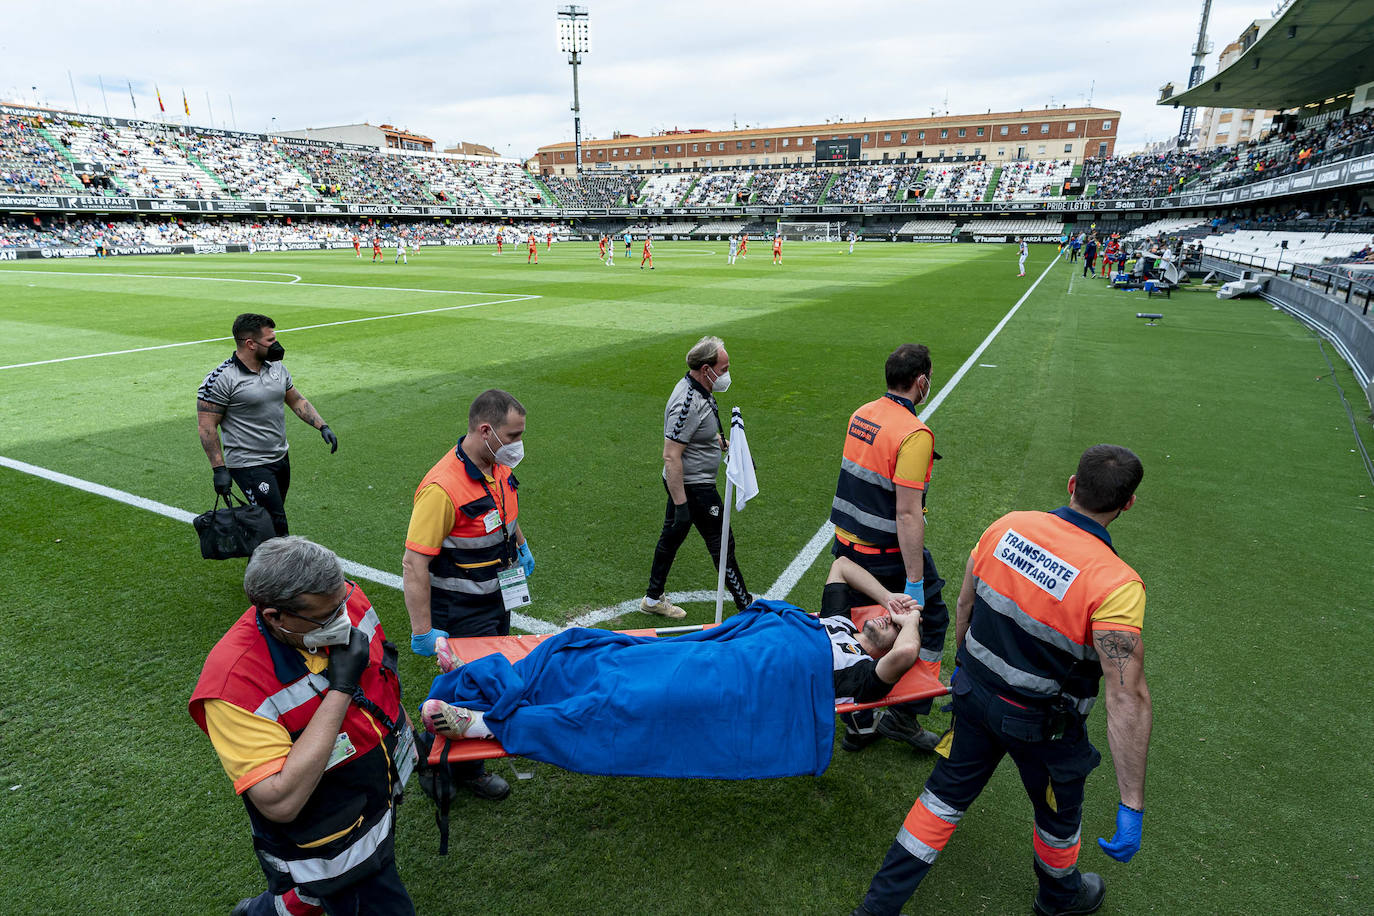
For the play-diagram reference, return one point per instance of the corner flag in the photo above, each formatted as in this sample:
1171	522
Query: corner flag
739	464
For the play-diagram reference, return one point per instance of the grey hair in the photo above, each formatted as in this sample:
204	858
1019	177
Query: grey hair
704	352
285	568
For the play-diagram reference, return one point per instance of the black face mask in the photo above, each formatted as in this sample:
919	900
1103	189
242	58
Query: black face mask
275	352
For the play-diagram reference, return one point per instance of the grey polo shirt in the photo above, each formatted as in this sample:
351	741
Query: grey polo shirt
691	418
253	430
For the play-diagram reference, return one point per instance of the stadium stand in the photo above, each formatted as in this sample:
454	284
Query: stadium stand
873	184
145	162
1165	227
248	169
665	190
28	163
1031	180
592	190
789	186
926	226
1014	227
718	188
361	177
959	182
1270	250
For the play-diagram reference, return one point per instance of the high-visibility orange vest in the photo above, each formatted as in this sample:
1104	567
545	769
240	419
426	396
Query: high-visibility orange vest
462	576
1039	577
865	501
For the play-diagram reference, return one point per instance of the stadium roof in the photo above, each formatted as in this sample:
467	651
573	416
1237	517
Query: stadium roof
1317	50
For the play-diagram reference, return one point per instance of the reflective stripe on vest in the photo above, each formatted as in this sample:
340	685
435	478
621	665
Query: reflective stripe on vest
1038	579
865	501
311	871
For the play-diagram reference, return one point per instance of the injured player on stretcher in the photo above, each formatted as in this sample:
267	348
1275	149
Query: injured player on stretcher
864	662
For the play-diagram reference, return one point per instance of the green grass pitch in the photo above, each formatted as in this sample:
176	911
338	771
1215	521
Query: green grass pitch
1251	532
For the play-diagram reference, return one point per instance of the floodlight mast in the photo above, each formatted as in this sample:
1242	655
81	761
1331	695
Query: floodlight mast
572	39
1200	52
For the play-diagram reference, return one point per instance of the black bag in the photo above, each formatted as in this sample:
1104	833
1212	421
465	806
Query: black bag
234	531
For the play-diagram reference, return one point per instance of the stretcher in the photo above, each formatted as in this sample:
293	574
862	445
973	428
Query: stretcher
917	684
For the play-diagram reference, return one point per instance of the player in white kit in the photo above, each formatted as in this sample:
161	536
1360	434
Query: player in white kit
1021	264
734	250
400	252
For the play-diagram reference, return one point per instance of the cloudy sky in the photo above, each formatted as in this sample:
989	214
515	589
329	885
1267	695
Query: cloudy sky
491	72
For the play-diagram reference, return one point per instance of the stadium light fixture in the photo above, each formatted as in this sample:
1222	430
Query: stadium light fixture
572	40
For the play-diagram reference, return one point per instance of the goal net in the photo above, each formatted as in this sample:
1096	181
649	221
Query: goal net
811	232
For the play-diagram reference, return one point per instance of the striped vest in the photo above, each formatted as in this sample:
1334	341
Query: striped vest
865	502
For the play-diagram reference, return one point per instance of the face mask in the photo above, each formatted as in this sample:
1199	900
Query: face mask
722	382
925	397
334	633
274	353
510	453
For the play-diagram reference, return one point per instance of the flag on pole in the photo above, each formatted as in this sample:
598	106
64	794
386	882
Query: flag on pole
160	106
739	464
186	106
130	84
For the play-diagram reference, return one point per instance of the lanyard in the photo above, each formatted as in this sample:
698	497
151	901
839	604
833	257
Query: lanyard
500	514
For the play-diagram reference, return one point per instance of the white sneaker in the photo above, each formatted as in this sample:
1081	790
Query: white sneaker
442	718
662	607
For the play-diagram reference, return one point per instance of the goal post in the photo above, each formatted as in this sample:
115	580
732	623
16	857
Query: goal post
801	231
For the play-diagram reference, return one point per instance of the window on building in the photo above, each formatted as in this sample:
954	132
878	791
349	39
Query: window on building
1004	130
638	150
865	138
887	137
1102	151
944	133
1002	152
615	153
767	144
562	156
1044	128
1040	150
959	151
694	147
739	162
1068	147
753	144
739	144
963	132
1071	126
977	152
1106	125
920	135
903	136
785	142
1025	129
980	131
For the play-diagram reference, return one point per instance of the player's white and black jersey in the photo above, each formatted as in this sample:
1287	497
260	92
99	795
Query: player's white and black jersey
856	672
253	427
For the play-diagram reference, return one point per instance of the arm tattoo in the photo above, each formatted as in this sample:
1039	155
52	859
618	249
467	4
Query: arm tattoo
306	411
203	406
1119	646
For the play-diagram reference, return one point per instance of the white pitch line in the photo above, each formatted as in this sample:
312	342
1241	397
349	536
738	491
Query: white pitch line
304	327
390	289
802	562
358	570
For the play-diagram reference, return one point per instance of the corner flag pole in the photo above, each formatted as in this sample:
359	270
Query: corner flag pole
724	548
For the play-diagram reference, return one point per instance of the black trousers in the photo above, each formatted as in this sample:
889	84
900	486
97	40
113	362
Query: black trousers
988	727
707	510
266	485
380	893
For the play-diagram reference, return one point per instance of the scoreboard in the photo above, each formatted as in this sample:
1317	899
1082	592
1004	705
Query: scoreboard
837	150
1072	187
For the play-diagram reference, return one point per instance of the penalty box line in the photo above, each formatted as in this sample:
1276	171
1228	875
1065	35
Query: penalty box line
357	570
304	327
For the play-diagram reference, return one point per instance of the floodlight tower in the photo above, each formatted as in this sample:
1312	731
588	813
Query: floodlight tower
1200	52
572	39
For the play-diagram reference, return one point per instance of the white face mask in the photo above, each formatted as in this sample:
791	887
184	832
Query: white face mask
334	633
722	382
510	453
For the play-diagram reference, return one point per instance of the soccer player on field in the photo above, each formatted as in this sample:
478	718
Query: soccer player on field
601	248
533	256
852	236
548	240
777	248
1021	264
357	250
648	252
377	250
734	250
400	250
744	245
629	250
415	244
499	239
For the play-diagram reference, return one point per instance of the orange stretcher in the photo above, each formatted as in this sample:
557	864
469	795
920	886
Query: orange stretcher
916	684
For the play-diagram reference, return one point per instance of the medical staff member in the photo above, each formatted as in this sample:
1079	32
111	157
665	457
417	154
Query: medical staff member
303	706
879	517
693	443
1047	610
466	560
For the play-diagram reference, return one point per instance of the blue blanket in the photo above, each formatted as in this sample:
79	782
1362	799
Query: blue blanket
750	699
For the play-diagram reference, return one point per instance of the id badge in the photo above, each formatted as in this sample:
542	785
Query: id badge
515	590
491	521
343	749
406	755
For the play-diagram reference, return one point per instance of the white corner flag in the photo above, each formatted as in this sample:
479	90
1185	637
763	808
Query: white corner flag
739	464
739	477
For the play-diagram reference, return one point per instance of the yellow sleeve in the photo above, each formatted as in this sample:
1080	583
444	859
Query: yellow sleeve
430	521
250	748
1124	609
913	460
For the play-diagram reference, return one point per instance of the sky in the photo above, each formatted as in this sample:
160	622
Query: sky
492	73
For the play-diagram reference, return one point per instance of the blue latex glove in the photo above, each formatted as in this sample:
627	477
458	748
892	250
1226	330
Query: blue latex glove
423	643
1126	843
917	590
526	558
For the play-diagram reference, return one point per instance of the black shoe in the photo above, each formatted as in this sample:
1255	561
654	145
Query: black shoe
488	786
244	906
906	728
1090	897
857	741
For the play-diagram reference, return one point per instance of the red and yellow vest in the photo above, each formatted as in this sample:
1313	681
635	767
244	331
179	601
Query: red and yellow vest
345	831
462	576
865	501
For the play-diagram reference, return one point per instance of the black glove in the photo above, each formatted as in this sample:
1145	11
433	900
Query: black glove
224	484
328	435
347	663
682	517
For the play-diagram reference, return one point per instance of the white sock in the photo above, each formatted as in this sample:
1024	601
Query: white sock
478	727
